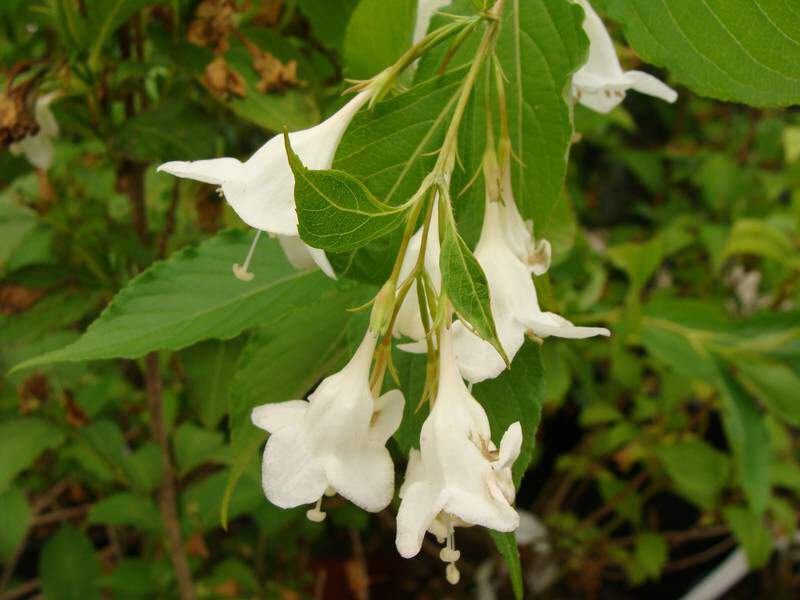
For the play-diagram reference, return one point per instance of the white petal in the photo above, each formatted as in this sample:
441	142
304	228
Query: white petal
38	149
550	324
652	86
388	416
48	126
364	475
603	101
602	61
215	171
297	253
321	260
418	508
482	509
425	11
477	359
291	472
510	446
275	416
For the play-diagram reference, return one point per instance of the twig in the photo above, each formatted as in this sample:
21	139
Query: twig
166	496
22	590
614	502
63	514
701	557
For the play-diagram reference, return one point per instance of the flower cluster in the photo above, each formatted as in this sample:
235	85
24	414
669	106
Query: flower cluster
335	441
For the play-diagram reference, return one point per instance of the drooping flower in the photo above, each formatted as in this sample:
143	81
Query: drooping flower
458	477
333	443
261	189
508	255
38	148
601	83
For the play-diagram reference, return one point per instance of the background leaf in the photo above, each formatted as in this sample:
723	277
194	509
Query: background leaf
69	567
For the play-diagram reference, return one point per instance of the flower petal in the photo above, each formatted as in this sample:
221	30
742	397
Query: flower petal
418	508
364	475
291	472
275	416
652	86
215	171
547	324
387	416
482	509
510	446
297	253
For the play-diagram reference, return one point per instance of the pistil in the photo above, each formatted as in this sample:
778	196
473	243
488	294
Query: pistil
241	271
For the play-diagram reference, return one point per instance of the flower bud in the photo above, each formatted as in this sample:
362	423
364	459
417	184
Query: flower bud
383	308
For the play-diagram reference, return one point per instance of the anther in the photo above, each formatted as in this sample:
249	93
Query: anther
330	492
241	271
315	514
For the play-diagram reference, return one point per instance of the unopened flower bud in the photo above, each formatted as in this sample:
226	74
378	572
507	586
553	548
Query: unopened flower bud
383	308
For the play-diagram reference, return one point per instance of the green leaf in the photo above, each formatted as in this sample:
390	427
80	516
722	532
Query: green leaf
761	238
752	533
202	500
749	439
516	395
193	296
105	16
541	44
651	553
735	50
195	446
209	368
775	385
411	370
136	578
699	471
22	440
15	517
377	35
335	211
68	567
391	149
126	508
328	23
466	286
507	546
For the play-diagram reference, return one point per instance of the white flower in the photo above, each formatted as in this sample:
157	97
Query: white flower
38	148
508	257
425	11
601	83
408	321
261	189
458	477
333	443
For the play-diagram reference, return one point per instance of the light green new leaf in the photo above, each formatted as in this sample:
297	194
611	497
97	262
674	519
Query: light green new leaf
377	35
752	533
699	471
507	546
775	385
335	211
69	567
126	508
466	286
193	296
195	446
22	440
541	45
749	439
736	50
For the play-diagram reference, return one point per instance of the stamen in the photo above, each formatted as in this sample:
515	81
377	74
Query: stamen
449	554
316	514
241	271
330	492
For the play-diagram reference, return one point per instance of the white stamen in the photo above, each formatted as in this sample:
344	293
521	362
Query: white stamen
453	576
241	271
315	514
330	492
449	554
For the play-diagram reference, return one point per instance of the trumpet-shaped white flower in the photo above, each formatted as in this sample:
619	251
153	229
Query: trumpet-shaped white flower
38	148
508	260
333	443
261	189
601	83
458	477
